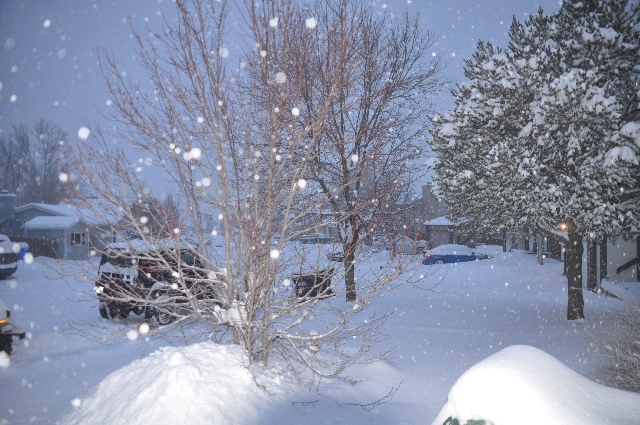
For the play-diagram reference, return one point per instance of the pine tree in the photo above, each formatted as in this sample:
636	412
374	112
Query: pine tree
538	136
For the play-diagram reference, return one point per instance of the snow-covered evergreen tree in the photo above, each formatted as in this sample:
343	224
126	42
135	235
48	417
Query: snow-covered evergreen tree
538	136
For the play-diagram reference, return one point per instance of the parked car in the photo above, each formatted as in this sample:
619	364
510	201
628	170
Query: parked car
315	239
8	329
337	253
135	277
404	245
313	285
8	256
452	254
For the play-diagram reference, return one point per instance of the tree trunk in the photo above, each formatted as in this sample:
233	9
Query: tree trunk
540	249
350	276
574	250
591	266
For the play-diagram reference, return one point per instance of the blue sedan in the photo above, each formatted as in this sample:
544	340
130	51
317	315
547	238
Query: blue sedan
452	254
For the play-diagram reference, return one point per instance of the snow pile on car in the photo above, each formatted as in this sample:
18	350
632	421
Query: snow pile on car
201	383
524	385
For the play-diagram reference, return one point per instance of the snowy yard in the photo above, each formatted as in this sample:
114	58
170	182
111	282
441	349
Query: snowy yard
477	310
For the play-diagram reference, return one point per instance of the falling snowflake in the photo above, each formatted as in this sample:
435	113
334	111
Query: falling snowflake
194	154
311	23
302	183
9	43
274	254
224	52
295	112
46	23
281	77
83	133
273	23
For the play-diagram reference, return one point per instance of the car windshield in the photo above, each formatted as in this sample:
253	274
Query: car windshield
116	258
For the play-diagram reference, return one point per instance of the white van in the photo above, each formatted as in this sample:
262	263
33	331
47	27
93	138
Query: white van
8	256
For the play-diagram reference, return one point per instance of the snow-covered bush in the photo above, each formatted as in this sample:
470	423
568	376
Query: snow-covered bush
618	346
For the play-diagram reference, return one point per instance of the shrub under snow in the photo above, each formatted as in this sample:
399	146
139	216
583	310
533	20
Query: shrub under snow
619	350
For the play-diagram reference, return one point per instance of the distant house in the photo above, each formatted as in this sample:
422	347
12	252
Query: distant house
618	259
441	231
71	232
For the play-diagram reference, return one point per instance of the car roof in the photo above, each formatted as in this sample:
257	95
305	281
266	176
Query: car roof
451	248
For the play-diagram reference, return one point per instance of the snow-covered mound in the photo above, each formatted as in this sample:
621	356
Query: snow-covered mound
524	385
202	383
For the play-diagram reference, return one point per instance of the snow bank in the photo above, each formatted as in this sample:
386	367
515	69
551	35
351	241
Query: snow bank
202	383
524	385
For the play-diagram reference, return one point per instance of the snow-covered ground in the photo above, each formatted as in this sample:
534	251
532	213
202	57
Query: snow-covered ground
60	373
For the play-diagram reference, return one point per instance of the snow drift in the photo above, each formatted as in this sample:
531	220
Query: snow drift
202	383
524	385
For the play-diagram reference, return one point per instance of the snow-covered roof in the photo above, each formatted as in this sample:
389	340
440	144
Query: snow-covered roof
87	215
440	221
148	245
47	222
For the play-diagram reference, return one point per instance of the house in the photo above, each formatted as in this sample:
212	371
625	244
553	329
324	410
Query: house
618	259
441	231
61	231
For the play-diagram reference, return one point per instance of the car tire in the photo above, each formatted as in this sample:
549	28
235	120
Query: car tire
163	316
5	344
115	313
439	261
103	311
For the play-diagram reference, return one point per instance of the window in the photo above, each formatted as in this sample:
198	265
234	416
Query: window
78	239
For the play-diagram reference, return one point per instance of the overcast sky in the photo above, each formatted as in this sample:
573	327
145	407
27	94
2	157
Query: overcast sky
49	48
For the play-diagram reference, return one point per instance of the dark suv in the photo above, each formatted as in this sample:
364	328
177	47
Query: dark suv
155	281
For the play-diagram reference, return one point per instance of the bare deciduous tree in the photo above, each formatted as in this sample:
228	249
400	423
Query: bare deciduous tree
246	146
371	140
31	159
